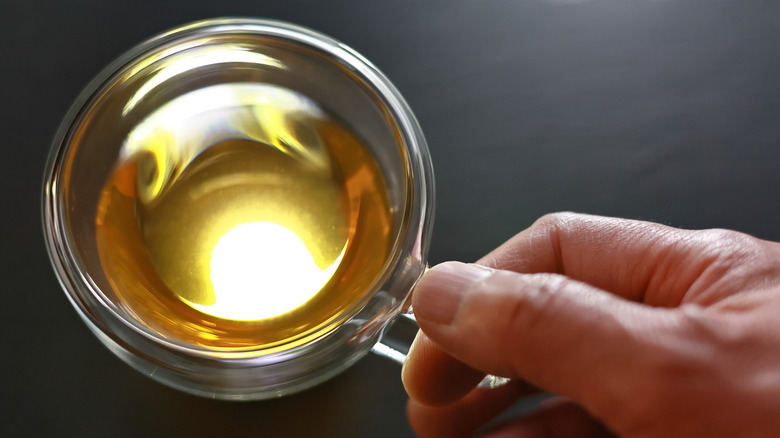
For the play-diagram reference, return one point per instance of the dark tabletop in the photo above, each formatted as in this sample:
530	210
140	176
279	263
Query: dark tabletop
658	110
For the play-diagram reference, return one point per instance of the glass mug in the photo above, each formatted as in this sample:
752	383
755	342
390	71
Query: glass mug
239	208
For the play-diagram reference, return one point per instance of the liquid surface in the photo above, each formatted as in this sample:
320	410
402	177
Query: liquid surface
242	215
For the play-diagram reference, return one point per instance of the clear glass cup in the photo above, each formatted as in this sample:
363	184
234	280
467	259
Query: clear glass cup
89	143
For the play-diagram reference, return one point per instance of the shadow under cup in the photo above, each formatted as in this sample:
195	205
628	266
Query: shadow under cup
161	73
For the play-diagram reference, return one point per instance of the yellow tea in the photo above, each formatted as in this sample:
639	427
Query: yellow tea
242	215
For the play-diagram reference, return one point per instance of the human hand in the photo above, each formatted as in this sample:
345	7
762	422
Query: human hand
642	330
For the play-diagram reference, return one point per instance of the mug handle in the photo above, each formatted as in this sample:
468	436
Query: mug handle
397	337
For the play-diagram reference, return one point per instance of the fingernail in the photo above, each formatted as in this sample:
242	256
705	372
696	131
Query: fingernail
438	295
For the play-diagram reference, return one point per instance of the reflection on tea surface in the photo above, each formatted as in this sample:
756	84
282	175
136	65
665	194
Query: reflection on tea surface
242	214
260	270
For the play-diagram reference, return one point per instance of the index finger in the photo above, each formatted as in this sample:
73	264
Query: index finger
626	257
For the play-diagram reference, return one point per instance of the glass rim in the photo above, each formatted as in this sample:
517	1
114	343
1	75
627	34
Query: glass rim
413	234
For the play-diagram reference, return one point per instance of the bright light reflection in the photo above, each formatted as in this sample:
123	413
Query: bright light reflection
177	132
260	270
192	62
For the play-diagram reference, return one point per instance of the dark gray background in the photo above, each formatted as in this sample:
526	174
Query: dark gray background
659	110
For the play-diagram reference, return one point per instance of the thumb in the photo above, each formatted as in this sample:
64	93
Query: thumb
556	333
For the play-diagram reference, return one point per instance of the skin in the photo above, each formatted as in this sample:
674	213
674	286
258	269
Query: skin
641	330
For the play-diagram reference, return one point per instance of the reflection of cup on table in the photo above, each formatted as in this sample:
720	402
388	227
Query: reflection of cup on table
238	207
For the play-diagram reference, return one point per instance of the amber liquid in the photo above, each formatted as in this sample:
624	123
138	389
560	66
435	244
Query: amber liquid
243	216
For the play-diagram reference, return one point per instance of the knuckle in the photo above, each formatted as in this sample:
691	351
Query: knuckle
558	221
736	262
550	230
729	243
